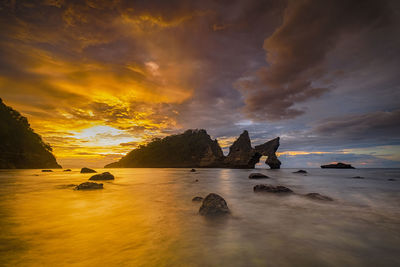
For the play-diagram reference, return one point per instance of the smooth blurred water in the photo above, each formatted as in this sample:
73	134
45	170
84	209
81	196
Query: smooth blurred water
146	218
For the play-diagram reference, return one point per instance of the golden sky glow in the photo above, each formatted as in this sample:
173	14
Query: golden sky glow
97	78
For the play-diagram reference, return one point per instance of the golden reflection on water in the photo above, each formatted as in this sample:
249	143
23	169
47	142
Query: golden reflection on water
146	218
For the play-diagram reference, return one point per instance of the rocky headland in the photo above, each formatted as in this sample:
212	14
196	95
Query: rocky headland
20	146
196	149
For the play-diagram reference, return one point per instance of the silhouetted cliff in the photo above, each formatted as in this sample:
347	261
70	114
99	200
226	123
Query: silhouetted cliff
195	148
20	146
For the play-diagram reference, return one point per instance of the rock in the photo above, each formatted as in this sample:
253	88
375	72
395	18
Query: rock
271	188
102	176
257	175
300	171
195	148
196	180
339	165
192	170
67	170
47	171
241	154
89	186
317	196
63	186
213	205
269	149
391	179
357	177
87	170
197	199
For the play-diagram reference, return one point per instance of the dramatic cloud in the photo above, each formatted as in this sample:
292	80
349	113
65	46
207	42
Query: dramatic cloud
98	78
297	50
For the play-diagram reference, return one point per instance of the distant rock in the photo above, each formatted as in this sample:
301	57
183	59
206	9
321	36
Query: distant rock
87	170
89	186
317	196
192	170
301	171
47	171
257	175
63	186
213	205
67	170
195	148
357	177
271	188
102	176
339	165
391	179
197	199
20	146
196	180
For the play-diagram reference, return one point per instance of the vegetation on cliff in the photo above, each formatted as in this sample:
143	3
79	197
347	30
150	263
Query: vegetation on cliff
20	146
195	148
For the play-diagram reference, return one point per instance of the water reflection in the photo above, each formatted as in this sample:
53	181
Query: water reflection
146	218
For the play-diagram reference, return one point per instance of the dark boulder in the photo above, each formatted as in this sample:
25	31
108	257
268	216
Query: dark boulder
301	171
257	175
357	177
192	170
391	179
339	165
67	170
197	199
47	171
317	196
89	186
87	170
271	188
102	176
213	205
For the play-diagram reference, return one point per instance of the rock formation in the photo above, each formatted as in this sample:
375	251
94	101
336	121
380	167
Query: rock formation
318	196
195	148
87	170
89	186
213	205
102	176
271	188
20	146
258	176
338	165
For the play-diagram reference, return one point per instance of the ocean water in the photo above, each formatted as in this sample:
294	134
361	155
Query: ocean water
145	217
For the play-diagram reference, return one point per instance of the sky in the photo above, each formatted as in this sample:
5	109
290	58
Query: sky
97	78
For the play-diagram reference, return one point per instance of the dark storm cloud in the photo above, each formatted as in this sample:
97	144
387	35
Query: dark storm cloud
297	50
154	68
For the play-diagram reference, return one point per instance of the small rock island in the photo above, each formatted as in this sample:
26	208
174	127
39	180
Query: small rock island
20	146
196	149
338	165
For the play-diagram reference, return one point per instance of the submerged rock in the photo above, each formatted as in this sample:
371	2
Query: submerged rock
391	179
67	170
357	177
87	170
300	171
257	175
89	186
47	171
102	176
192	170
338	165
318	197
197	199
63	186
213	205
271	188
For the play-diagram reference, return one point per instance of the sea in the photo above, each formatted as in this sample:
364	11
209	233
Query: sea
146	217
